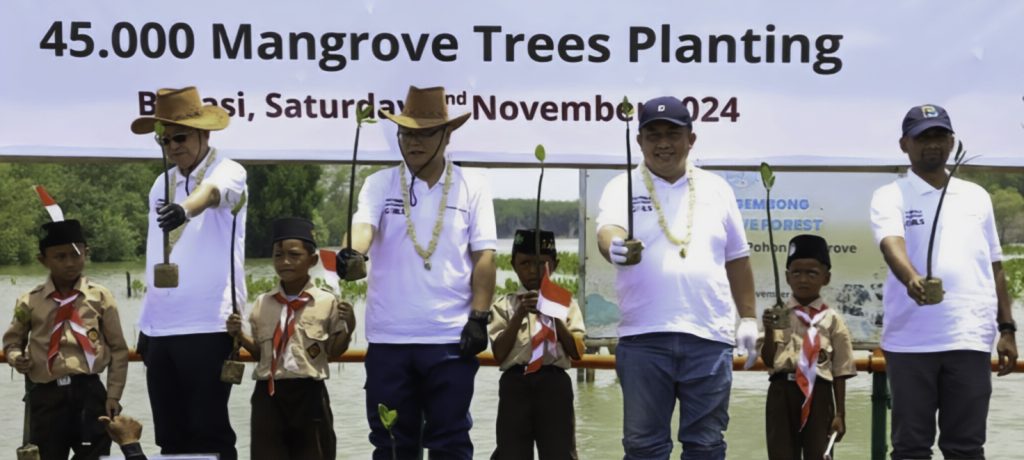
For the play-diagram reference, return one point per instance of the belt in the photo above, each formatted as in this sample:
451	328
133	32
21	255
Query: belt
521	368
782	377
76	379
791	377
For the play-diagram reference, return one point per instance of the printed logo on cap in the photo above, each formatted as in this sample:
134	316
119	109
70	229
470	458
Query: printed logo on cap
661	107
929	111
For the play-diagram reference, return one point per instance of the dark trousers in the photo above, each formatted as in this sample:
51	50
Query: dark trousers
535	408
431	387
189	402
296	423
63	419
782	420
957	385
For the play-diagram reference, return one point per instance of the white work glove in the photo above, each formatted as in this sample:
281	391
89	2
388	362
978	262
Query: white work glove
618	251
746	341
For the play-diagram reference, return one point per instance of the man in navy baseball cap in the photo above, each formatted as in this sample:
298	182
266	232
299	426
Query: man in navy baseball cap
668	354
666	108
922	117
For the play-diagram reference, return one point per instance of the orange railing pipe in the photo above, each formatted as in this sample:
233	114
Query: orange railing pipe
873	363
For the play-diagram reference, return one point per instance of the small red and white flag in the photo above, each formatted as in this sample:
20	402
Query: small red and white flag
553	303
329	260
51	206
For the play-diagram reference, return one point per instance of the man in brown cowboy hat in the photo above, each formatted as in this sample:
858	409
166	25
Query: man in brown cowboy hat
429	228
183	340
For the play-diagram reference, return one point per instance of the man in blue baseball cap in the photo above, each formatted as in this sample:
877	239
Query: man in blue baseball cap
679	304
938	356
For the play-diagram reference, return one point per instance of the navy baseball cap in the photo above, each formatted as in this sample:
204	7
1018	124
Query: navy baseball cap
665	108
922	117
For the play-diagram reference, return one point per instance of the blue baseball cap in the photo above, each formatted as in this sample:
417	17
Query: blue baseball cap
665	108
922	117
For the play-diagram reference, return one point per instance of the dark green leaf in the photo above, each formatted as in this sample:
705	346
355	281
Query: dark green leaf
540	153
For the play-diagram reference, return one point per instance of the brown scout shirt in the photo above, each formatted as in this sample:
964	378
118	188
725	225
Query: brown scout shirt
836	356
33	321
503	310
316	328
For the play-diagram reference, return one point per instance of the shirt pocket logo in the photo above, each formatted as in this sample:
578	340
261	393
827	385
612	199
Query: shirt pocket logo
913	218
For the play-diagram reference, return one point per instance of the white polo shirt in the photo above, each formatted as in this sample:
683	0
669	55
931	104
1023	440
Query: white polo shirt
966	245
202	301
406	303
665	292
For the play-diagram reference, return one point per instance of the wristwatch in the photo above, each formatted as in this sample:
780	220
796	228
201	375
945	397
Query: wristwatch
480	315
1009	326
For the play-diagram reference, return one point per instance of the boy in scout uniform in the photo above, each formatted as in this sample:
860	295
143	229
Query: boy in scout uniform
296	327
66	332
808	362
533	406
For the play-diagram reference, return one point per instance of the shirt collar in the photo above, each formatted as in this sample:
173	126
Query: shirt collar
656	179
279	290
49	288
815	305
210	157
922	187
440	180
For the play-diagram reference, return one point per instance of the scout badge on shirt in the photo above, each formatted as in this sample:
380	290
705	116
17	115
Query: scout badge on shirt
232	369
933	291
778	314
553	303
313	350
634	246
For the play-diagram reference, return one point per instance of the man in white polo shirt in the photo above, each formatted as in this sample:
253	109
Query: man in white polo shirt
183	339
938	356
679	303
429	228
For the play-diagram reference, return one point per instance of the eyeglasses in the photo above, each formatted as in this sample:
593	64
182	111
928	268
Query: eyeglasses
179	138
408	135
809	274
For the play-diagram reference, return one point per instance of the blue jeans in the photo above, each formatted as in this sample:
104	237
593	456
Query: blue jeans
431	387
657	369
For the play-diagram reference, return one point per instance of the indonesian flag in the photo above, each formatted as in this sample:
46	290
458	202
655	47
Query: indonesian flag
51	206
553	303
329	260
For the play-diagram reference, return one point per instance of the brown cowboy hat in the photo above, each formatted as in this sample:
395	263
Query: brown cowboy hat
425	108
182	107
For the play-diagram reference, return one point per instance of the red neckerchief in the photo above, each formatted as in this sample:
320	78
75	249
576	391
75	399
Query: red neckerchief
284	330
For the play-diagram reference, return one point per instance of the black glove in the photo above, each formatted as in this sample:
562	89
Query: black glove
474	334
350	264
171	217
